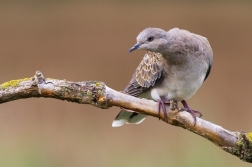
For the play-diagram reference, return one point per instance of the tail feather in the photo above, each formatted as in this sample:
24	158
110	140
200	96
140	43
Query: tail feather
137	119
128	117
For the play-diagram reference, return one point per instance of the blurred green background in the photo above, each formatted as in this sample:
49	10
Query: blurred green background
89	40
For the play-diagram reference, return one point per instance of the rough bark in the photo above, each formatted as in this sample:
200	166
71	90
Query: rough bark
99	95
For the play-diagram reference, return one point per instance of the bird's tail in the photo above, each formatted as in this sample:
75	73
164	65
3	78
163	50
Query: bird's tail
128	117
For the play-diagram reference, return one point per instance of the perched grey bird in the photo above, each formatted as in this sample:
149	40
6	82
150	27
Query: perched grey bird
174	67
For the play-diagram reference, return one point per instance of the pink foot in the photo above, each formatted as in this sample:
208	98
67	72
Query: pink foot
161	103
192	112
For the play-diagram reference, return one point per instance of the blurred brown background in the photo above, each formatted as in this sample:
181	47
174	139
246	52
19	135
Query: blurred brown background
76	41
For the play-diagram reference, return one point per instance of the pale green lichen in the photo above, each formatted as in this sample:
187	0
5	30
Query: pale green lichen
89	93
244	146
13	83
249	135
99	87
98	84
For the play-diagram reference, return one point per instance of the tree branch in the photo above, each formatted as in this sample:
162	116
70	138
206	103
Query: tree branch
99	95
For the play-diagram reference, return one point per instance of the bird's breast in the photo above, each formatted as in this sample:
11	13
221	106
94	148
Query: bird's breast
178	85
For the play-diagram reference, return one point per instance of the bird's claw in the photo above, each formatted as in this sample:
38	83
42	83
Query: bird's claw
189	110
192	112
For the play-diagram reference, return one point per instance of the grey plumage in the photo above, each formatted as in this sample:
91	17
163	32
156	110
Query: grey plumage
175	65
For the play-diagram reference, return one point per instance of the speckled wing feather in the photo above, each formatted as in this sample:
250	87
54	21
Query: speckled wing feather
148	72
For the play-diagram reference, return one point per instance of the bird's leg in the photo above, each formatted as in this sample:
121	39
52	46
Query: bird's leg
161	103
192	112
187	106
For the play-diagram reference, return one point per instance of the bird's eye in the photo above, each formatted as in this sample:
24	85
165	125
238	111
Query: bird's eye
150	39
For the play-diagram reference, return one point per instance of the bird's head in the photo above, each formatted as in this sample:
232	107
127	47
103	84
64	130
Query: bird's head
151	39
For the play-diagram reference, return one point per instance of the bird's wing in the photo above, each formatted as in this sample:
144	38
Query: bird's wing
148	73
203	48
186	42
209	55
208	70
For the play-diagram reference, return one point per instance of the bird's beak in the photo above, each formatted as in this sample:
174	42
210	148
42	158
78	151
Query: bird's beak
136	46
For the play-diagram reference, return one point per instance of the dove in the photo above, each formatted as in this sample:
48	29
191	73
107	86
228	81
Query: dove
174	67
